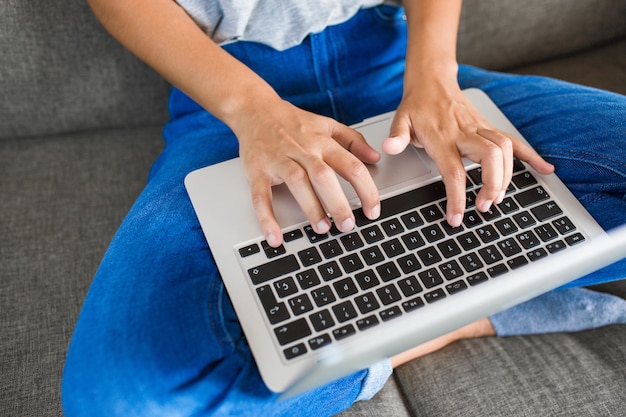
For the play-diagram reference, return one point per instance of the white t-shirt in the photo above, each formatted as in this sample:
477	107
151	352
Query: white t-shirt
277	23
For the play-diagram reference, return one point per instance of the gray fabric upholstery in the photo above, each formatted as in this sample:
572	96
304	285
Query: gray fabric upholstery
60	72
80	125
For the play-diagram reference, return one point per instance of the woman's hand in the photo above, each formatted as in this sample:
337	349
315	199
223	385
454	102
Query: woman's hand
305	151
436	116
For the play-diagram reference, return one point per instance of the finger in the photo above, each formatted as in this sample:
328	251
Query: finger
399	136
326	185
453	172
529	155
261	194
356	173
355	143
297	180
502	161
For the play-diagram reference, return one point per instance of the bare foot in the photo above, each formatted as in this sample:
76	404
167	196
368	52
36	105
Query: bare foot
480	328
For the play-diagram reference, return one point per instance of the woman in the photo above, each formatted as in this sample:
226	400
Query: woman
278	83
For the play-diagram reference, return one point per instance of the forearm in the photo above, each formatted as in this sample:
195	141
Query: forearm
161	34
432	36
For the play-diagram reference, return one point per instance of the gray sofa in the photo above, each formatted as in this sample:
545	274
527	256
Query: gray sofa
80	124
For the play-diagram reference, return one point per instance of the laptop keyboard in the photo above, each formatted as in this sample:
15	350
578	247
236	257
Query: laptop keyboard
319	289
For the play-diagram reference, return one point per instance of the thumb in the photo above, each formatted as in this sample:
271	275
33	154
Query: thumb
399	136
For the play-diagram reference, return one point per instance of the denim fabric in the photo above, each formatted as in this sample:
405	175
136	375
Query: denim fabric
157	334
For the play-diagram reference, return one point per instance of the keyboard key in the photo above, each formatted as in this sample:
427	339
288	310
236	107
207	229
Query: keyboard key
523	180
271	252
295	351
491	214
388	271
574	239
343	332
450	270
351	263
430	278
412	304
508	206
249	250
392	248
344	311
409	286
455	287
449	248
275	311
476	175
487	233
408	263
490	254
351	241
329	271
309	256
471	219
546	232
307	279
468	241
345	287
366	303
471	262
433	233
554	247
506	227
285	287
322	320
509	247
367	279
390	313
331	249
319	341
495	270
388	294
546	211
323	296
564	225
528	239
367	322
532	196
372	255
300	304
412	220
537	254
431	213
273	269
372	234
314	237
392	227
516	262
429	256
449	229
435	295
477	278
292	235
524	219
413	240
290	332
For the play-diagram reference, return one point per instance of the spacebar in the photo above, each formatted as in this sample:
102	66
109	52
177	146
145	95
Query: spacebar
273	269
405	201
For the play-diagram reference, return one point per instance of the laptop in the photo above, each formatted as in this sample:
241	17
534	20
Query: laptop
321	307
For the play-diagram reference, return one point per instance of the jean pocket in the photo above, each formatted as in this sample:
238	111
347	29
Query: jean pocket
388	14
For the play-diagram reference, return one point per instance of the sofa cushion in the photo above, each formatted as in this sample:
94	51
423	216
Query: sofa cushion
62	200
61	72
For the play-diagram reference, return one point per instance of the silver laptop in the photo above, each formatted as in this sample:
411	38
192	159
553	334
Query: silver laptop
324	306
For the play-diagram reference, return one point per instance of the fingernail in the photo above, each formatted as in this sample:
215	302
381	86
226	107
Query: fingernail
347	225
456	220
323	226
500	197
271	239
375	213
485	205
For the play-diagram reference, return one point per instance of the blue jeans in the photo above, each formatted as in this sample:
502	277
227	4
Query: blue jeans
157	334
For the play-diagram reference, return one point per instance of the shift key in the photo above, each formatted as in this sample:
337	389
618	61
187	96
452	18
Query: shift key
273	269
